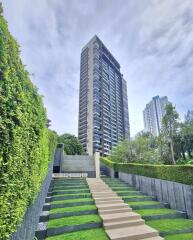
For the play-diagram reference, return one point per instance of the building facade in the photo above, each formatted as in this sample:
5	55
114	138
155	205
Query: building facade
153	114
103	104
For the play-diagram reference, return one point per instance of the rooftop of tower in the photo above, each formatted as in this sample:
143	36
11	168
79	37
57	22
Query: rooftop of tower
96	38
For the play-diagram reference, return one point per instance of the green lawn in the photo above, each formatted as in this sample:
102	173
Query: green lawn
91	234
64	188
127	192
74	220
170	224
73	209
117	185
70	190
123	188
158	211
72	200
133	196
143	203
72	194
70	185
187	236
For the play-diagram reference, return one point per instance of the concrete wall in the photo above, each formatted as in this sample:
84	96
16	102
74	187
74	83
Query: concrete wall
78	164
179	196
107	170
58	156
31	219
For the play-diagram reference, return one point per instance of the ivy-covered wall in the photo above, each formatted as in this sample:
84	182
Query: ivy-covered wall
26	145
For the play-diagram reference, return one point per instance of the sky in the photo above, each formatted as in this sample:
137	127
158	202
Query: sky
151	39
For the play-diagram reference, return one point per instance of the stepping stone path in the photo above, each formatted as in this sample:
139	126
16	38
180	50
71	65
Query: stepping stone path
119	221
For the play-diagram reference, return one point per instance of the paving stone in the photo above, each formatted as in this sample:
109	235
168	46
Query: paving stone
132	233
120	216
121	224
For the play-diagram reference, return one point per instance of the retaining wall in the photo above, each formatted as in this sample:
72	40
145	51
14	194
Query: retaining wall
107	170
27	229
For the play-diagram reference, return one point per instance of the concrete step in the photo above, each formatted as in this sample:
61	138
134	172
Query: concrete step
98	195
101	190
107	198
111	205
118	210
109	202
107	218
132	233
122	224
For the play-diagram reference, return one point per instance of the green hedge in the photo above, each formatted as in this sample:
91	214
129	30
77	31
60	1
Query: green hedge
109	163
26	145
178	173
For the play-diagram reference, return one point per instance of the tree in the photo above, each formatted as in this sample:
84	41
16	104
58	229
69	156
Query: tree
186	133
170	127
121	152
143	149
72	146
189	117
1	9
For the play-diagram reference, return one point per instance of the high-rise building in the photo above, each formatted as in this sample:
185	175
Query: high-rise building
103	104
153	114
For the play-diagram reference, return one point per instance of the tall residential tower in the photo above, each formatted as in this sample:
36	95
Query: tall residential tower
103	104
153	114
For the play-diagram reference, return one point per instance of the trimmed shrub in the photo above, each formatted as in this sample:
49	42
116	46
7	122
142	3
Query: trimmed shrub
26	145
108	163
176	173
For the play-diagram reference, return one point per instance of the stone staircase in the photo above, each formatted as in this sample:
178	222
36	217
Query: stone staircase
119	221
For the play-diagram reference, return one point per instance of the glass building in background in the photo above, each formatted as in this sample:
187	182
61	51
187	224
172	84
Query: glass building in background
153	114
103	104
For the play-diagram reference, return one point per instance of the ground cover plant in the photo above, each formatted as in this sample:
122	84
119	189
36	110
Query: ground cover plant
74	220
78	200
145	203
151	212
170	224
185	236
91	234
73	209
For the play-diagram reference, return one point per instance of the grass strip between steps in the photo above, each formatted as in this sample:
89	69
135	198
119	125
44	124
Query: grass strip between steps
157	211
185	236
71	194
73	209
71	200
133	196
74	220
69	190
145	203
91	234
170	224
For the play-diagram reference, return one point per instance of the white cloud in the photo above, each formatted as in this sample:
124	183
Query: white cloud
152	40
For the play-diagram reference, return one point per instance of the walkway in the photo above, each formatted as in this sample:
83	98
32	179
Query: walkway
119	221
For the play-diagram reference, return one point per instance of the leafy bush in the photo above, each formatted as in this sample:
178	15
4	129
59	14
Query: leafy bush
177	173
26	145
72	146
